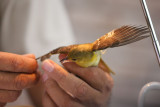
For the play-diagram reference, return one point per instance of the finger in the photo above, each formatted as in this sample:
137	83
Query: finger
47	101
2	104
69	82
9	95
17	81
17	63
60	97
94	76
30	56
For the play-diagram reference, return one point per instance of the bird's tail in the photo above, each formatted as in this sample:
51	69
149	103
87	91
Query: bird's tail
105	67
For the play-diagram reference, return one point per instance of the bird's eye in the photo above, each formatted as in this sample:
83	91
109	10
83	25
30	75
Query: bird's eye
74	59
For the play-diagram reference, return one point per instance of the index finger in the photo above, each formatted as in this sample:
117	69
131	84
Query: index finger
17	63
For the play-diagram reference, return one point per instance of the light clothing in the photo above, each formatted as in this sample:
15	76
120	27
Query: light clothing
33	26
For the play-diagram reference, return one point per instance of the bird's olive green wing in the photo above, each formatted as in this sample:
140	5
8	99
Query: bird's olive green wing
121	36
63	49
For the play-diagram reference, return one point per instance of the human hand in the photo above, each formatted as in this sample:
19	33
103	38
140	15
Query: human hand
16	73
75	86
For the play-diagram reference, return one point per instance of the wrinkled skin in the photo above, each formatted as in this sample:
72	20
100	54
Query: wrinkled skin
17	72
75	86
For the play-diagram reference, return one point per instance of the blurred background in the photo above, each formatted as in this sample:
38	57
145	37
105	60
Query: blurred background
134	64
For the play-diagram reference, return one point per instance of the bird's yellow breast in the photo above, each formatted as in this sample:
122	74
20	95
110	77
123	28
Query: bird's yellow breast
92	59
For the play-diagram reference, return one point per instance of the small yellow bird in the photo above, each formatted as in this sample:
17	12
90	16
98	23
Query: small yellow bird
86	55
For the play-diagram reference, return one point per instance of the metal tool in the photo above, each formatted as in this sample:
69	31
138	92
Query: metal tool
146	88
151	85
150	25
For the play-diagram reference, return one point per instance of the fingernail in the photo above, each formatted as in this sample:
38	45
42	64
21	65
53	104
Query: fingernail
44	77
47	66
66	61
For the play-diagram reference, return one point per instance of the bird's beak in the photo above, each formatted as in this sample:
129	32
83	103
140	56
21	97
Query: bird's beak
64	59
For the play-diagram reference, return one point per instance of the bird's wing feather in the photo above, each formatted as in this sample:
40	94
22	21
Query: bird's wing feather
118	37
121	36
63	49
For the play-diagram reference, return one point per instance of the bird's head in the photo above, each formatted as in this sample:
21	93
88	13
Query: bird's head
76	55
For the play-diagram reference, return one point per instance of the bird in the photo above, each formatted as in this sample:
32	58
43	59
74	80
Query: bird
90	54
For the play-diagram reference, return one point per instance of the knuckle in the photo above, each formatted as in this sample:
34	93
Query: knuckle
80	90
49	83
109	84
102	100
17	63
14	95
3	98
99	103
21	82
61	77
92	72
2	104
66	103
33	64
10	96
